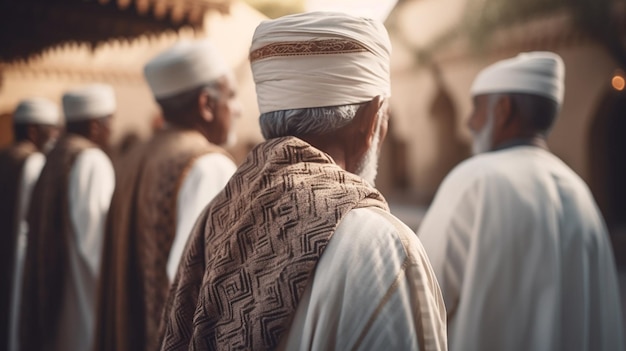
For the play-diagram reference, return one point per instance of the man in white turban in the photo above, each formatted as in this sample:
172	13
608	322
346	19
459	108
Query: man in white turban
66	226
299	251
514	235
158	199
35	129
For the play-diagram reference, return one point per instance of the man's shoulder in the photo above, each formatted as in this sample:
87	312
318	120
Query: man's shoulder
369	230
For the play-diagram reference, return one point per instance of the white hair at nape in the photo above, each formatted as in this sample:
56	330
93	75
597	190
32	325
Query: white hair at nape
306	121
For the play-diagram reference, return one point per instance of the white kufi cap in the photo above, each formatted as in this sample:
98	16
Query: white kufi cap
184	66
37	111
89	102
319	59
539	73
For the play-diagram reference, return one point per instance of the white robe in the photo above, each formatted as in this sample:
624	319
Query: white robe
522	256
91	185
371	290
206	178
30	173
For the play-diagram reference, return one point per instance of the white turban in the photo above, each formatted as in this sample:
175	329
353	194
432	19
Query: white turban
184	66
319	59
89	102
538	73
37	111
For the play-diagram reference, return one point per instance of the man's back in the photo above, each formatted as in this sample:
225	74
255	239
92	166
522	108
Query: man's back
143	227
251	256
65	226
522	256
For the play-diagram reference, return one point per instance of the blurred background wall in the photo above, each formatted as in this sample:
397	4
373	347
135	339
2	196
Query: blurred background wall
438	48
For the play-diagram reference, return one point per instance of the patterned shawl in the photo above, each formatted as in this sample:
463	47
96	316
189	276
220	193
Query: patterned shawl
46	253
12	162
252	251
140	231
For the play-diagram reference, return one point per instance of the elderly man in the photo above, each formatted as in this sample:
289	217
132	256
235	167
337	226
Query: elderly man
158	200
66	226
36	128
299	251
514	235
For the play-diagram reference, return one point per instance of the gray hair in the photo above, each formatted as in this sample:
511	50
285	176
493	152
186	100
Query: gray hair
303	121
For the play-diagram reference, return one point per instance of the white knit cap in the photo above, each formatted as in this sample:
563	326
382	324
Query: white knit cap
184	66
37	111
89	102
319	59
540	73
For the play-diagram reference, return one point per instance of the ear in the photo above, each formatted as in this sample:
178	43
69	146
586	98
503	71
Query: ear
94	129
503	112
367	119
32	133
206	106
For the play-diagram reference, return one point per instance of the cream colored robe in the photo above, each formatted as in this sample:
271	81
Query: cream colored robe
373	289
522	256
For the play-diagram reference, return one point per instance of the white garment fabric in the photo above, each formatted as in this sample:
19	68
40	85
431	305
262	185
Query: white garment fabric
522	256
184	66
91	185
539	73
30	173
364	295
318	59
206	178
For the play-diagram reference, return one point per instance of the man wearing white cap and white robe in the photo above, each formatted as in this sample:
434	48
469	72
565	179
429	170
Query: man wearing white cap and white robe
36	128
514	236
158	200
66	227
299	251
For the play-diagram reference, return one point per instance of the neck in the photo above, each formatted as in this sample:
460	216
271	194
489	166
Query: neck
328	145
536	140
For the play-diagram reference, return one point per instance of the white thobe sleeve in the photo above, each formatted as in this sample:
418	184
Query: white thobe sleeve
91	185
206	178
372	289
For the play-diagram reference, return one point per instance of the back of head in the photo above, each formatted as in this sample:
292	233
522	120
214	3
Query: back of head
317	65
35	111
535	81
180	71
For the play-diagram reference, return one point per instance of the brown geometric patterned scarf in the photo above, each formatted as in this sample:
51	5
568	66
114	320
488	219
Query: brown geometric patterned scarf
140	231
12	162
46	254
254	248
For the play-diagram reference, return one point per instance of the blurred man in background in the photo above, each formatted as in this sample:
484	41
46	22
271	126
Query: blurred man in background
35	129
514	235
253	275
159	197
66	225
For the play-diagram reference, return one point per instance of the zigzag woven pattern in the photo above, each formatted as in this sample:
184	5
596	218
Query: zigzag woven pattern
254	248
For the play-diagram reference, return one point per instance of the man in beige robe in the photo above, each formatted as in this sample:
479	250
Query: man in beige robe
66	220
299	251
35	129
163	190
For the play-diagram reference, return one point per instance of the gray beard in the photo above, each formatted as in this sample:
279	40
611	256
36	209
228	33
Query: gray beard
368	167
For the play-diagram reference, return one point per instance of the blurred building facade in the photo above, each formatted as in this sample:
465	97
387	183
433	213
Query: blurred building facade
119	62
432	71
